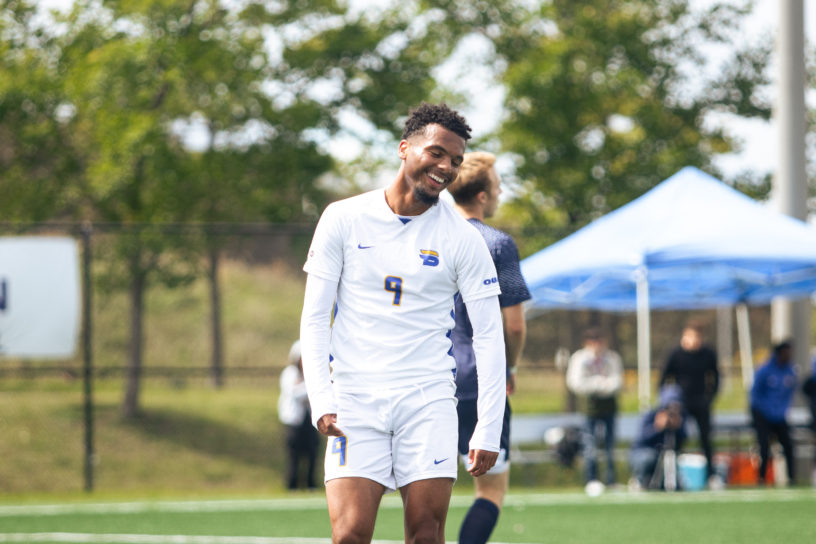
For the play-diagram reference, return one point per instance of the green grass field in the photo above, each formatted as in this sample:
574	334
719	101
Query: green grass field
749	515
220	451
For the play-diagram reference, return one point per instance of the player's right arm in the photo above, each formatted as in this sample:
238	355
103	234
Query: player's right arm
315	331
324	267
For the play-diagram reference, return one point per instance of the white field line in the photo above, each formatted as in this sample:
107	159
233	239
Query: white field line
90	538
94	538
519	500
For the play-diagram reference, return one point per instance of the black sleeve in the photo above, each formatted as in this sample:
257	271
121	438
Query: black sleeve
668	370
715	370
809	387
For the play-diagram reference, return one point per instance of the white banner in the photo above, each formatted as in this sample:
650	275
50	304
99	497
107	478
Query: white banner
39	296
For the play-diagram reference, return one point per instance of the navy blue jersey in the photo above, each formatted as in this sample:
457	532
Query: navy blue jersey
514	291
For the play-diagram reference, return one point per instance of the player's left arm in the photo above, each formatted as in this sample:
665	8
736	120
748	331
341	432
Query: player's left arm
488	347
515	332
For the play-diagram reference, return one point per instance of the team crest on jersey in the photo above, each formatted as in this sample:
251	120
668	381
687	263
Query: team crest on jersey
429	257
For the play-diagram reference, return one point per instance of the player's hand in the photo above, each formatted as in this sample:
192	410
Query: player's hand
480	461
327	425
511	384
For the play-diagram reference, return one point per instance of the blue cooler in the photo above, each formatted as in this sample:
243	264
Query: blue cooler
691	471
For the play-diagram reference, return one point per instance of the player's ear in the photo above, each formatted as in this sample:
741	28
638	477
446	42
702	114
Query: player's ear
402	150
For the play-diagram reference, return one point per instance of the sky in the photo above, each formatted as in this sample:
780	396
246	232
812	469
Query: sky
760	149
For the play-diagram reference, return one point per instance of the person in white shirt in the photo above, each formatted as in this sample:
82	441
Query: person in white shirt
595	373
293	412
383	270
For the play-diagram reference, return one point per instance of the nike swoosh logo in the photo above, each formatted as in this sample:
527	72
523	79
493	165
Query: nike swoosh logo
360	246
440	461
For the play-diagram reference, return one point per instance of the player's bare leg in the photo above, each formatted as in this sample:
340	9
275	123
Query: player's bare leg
426	505
483	514
353	504
492	487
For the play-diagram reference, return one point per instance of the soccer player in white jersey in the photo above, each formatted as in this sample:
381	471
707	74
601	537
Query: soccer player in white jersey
386	266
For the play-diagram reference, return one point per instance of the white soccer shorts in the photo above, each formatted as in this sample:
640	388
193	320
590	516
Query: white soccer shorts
395	436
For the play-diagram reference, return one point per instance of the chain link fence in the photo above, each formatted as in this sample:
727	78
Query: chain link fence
209	313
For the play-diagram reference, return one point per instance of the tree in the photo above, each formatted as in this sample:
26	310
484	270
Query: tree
605	98
609	98
373	62
137	70
34	160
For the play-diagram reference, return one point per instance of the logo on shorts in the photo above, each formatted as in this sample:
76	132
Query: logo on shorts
440	461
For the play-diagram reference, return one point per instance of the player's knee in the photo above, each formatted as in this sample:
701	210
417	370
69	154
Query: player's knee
351	534
429	531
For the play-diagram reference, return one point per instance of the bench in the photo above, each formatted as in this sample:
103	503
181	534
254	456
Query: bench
528	445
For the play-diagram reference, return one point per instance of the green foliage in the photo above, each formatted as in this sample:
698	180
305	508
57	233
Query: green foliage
378	62
140	73
604	98
132	77
608	99
35	161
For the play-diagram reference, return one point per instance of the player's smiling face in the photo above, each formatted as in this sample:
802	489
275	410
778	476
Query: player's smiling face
432	159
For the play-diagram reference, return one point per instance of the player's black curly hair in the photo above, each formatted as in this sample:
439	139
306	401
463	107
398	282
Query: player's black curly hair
438	114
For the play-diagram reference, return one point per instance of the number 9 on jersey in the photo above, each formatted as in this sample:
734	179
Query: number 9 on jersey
393	284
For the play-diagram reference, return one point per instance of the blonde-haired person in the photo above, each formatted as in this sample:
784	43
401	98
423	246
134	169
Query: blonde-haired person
476	194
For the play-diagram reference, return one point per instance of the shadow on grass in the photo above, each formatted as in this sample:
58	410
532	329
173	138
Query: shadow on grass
263	448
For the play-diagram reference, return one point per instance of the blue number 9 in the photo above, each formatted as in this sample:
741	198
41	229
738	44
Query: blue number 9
339	446
393	284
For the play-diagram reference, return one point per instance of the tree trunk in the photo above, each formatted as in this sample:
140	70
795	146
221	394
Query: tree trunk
217	359
130	407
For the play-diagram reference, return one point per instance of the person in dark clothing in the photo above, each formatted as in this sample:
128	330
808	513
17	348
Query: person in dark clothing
809	390
476	193
771	395
293	411
693	367
661	430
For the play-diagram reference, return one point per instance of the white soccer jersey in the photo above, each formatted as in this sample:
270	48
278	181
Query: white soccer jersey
397	282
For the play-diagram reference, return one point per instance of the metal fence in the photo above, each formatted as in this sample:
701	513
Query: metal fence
258	287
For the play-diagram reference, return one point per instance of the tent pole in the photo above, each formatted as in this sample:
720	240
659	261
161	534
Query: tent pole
725	344
746	352
643	339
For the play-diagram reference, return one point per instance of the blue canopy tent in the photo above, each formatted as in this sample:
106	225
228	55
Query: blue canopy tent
691	242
